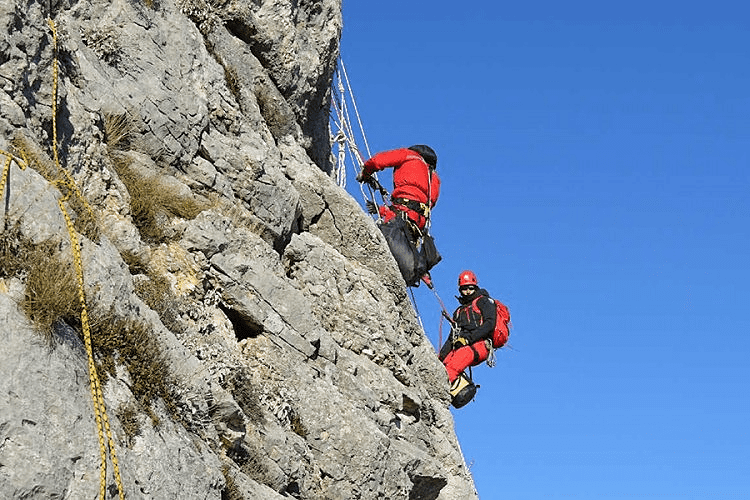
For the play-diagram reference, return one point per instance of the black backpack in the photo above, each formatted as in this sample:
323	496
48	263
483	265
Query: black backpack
415	252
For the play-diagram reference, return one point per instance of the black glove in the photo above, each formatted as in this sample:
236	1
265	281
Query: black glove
372	208
363	177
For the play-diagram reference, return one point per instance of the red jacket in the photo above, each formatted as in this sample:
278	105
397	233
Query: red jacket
411	180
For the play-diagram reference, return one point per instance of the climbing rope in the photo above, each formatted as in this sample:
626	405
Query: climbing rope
68	184
100	412
444	315
416	309
345	138
6	173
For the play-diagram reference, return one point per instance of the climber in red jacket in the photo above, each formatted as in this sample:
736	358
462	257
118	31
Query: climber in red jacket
415	181
473	322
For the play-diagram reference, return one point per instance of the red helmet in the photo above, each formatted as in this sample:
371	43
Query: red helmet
467	278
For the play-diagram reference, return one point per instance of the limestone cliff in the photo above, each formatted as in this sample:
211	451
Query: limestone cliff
250	336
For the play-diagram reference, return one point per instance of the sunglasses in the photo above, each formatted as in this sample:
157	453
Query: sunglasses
466	287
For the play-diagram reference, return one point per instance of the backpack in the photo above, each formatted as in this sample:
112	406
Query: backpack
502	325
414	257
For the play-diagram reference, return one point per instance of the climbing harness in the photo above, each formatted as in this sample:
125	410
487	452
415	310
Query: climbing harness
67	187
421	208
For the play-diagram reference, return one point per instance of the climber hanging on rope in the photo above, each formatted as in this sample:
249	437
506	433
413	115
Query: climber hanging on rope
479	325
406	221
404	217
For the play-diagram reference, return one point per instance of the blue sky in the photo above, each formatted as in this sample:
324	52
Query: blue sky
594	160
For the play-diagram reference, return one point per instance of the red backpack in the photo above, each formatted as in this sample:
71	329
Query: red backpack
502	325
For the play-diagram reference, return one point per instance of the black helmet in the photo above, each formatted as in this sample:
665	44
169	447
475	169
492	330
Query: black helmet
427	153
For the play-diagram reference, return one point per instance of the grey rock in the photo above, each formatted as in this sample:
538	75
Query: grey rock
293	361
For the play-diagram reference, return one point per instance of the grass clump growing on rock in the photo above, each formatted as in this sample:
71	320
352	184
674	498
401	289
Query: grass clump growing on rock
154	201
51	285
231	491
250	459
51	291
14	252
132	344
241	388
118	131
127	414
233	82
295	422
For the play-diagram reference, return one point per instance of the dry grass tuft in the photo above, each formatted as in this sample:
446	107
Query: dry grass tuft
132	343
157	293
239	385
13	252
233	82
127	414
297	426
51	286
249	458
118	130
51	290
231	491
153	202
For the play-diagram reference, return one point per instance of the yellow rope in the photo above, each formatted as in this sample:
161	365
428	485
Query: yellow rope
6	169
100	412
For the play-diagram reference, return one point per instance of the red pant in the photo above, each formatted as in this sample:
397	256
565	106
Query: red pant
464	357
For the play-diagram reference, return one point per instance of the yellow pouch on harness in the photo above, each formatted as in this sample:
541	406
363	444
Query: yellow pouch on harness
462	390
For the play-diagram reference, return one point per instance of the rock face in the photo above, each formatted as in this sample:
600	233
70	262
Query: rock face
251	331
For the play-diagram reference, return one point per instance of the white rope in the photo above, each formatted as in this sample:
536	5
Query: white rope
344	137
347	152
356	112
340	139
416	310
